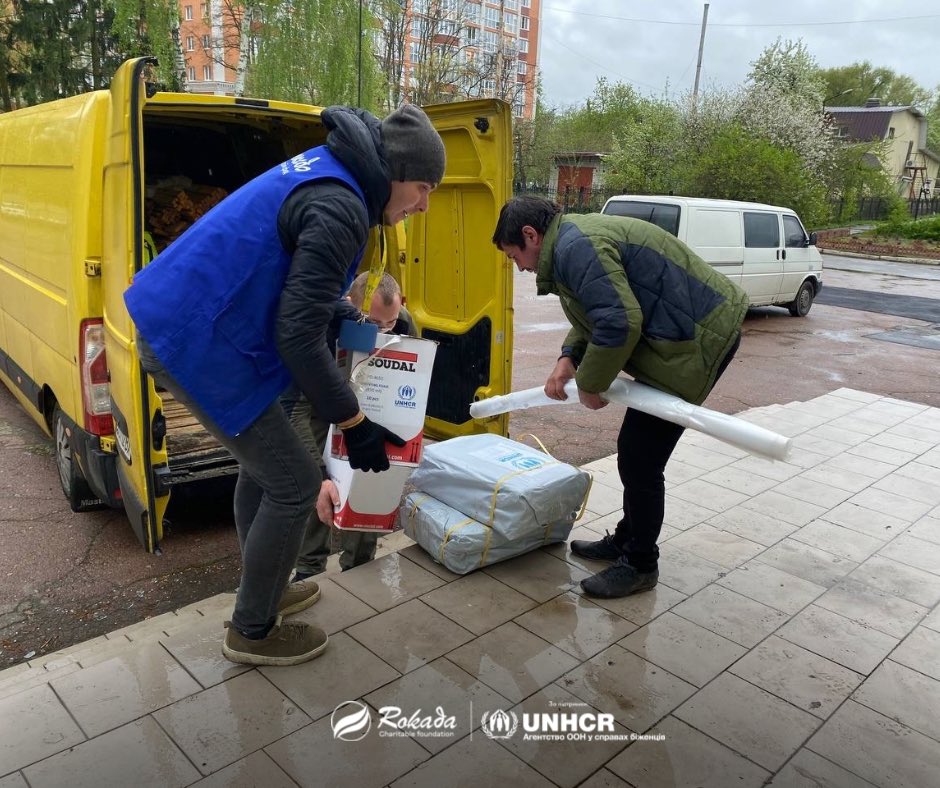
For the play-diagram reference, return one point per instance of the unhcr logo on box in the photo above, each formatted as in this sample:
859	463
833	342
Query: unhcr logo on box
406	397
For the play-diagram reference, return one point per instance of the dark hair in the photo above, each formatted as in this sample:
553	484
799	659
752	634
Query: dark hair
536	212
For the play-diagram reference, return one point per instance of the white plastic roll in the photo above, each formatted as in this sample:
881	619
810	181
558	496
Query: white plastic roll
750	437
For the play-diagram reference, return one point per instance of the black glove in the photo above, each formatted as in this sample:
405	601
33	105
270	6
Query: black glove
365	444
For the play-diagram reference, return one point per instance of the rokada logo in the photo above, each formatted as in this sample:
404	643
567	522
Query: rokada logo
500	724
351	721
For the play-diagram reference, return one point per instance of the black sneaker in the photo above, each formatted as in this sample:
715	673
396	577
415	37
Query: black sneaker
603	550
619	579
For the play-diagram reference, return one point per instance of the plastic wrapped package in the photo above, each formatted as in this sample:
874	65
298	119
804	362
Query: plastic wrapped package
463	544
502	484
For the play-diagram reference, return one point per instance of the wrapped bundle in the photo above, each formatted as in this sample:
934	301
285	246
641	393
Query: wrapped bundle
463	544
505	485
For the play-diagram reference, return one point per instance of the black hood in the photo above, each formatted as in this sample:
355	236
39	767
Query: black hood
355	139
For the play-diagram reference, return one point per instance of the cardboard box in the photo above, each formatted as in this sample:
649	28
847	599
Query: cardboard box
392	383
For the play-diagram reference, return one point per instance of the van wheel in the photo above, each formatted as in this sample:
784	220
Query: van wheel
800	306
76	489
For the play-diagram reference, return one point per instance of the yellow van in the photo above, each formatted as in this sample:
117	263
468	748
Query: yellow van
83	202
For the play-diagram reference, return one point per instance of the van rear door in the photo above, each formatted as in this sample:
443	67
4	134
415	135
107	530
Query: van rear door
142	463
458	285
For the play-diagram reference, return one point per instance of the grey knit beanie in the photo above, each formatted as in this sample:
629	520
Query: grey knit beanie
413	148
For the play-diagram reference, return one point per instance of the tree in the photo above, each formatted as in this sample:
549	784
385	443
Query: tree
308	51
933	122
739	165
853	85
391	40
439	51
789	68
649	152
151	27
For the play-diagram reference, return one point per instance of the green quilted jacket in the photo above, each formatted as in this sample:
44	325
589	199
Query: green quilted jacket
639	300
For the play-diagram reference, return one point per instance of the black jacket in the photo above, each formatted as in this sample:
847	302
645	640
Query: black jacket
323	225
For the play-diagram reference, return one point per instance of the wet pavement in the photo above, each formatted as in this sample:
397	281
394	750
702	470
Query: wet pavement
794	633
66	577
793	640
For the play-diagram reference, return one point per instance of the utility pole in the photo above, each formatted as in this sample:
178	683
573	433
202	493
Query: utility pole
698	68
359	61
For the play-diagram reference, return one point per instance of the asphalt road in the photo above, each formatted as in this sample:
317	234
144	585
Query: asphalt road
913	307
68	577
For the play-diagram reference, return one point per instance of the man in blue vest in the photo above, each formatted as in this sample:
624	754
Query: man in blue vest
238	307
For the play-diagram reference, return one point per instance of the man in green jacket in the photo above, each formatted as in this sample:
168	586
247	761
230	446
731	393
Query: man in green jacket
638	300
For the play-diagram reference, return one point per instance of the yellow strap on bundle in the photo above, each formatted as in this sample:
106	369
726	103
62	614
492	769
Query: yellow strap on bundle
450	532
506	478
411	515
587	494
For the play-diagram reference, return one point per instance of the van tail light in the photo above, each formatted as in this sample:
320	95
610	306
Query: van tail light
96	390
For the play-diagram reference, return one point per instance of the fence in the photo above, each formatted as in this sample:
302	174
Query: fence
575	199
878	208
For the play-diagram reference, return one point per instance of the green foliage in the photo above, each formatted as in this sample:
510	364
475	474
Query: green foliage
308	52
647	156
144	27
853	85
595	126
737	165
789	68
933	122
854	173
900	225
56	48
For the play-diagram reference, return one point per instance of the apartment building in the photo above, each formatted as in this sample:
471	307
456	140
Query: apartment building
209	39
491	47
483	48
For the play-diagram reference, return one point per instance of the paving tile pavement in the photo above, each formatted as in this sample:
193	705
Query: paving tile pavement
794	638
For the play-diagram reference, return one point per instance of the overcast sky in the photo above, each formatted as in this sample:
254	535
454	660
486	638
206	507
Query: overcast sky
651	44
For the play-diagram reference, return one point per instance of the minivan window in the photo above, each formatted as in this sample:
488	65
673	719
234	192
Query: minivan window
793	232
665	216
761	230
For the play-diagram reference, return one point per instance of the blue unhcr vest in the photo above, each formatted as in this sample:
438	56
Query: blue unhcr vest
207	305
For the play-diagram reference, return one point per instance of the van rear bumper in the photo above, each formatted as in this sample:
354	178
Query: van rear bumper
98	467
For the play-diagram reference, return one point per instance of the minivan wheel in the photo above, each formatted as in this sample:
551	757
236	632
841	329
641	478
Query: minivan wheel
76	489
800	305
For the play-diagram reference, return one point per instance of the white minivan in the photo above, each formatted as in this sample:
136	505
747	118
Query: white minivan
763	248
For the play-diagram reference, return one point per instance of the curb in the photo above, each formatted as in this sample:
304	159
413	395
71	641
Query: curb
888	258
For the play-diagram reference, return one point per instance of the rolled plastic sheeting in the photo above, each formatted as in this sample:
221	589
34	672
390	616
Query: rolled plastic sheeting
730	429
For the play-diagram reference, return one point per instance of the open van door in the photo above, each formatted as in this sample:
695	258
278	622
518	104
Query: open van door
142	461
458	285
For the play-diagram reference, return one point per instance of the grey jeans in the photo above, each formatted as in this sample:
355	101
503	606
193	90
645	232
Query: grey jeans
276	491
358	547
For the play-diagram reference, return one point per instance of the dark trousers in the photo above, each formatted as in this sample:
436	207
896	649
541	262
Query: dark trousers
644	446
276	491
358	547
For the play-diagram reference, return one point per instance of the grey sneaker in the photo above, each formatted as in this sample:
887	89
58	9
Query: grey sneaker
619	579
602	550
298	596
286	644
